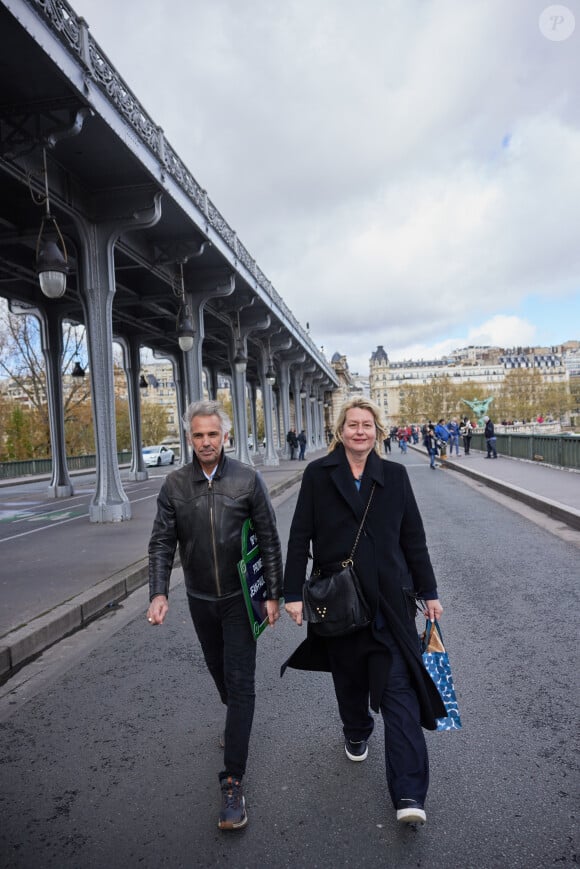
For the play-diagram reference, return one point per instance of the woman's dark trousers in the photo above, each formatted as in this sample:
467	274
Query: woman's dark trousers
406	760
229	649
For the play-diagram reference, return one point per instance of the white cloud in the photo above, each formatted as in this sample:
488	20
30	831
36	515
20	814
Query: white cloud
407	174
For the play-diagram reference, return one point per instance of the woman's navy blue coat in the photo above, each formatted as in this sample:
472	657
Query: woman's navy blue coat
391	560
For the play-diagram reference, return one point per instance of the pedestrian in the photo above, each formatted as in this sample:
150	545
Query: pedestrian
402	437
466	432
301	444
201	508
387	442
442	435
453	429
430	442
292	442
380	664
490	438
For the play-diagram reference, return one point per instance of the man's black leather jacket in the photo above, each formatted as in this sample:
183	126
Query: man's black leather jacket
205	519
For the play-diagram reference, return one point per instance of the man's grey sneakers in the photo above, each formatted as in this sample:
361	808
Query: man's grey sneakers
356	750
410	812
233	814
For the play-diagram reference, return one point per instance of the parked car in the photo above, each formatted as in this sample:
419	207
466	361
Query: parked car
160	455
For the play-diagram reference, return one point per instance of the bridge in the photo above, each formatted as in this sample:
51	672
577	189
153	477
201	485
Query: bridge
102	224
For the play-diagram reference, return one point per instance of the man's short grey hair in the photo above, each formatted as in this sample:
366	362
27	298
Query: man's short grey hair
206	408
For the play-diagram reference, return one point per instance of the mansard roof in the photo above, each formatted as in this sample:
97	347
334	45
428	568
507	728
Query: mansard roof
379	355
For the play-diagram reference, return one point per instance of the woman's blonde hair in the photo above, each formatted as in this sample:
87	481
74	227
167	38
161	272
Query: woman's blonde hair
364	404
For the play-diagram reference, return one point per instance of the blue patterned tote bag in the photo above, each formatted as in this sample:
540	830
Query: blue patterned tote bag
436	661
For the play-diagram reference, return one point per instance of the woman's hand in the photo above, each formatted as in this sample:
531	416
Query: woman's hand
433	610
294	610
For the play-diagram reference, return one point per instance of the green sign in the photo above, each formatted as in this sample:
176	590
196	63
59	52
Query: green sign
251	573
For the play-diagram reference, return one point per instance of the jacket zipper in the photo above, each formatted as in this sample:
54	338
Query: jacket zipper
213	543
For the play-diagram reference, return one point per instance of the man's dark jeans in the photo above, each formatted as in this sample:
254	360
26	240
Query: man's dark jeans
229	649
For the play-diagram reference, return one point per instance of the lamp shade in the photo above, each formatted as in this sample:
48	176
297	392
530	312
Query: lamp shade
185	330
270	376
52	269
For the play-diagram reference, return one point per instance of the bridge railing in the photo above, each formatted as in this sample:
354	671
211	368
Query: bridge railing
40	467
561	450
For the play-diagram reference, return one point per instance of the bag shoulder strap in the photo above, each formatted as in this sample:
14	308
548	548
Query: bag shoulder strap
360	528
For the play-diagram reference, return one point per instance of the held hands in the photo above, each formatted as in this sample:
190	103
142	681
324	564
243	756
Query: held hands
294	610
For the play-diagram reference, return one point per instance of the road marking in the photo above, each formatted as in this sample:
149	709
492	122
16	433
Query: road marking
58	520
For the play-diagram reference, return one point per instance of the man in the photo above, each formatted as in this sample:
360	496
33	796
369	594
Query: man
490	438
442	435
453	429
202	507
302	444
292	442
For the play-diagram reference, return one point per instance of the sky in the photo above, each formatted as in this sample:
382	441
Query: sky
405	172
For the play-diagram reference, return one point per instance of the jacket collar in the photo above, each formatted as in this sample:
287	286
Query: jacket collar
341	476
198	473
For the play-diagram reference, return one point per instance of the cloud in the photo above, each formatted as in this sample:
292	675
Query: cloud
406	174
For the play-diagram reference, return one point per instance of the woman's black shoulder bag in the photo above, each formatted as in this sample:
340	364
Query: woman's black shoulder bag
334	604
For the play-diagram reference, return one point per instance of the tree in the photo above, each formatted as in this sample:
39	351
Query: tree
153	423
520	396
22	361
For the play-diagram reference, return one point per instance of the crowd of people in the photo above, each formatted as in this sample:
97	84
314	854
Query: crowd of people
442	438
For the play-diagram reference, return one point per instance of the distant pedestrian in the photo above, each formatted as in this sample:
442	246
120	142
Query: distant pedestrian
387	443
402	437
453	429
490	438
466	432
302	444
292	442
430	442
442	435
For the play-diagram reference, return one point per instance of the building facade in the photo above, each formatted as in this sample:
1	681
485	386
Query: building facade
485	366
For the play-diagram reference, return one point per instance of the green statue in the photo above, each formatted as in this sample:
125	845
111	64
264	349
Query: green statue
479	407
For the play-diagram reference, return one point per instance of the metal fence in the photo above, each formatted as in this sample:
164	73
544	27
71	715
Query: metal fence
41	467
561	450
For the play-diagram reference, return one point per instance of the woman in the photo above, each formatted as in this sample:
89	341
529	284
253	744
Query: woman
381	663
466	432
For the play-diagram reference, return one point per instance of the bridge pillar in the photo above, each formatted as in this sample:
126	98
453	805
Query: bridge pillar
271	456
50	322
97	285
296	388
132	365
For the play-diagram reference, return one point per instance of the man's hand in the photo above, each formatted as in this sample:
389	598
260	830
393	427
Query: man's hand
158	609
273	610
294	610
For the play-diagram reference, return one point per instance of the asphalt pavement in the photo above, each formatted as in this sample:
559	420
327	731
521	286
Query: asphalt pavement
58	571
110	738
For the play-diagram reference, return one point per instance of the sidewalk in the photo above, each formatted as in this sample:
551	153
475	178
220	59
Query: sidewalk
101	565
551	490
91	571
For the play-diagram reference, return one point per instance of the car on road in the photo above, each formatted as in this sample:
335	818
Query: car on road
157	456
